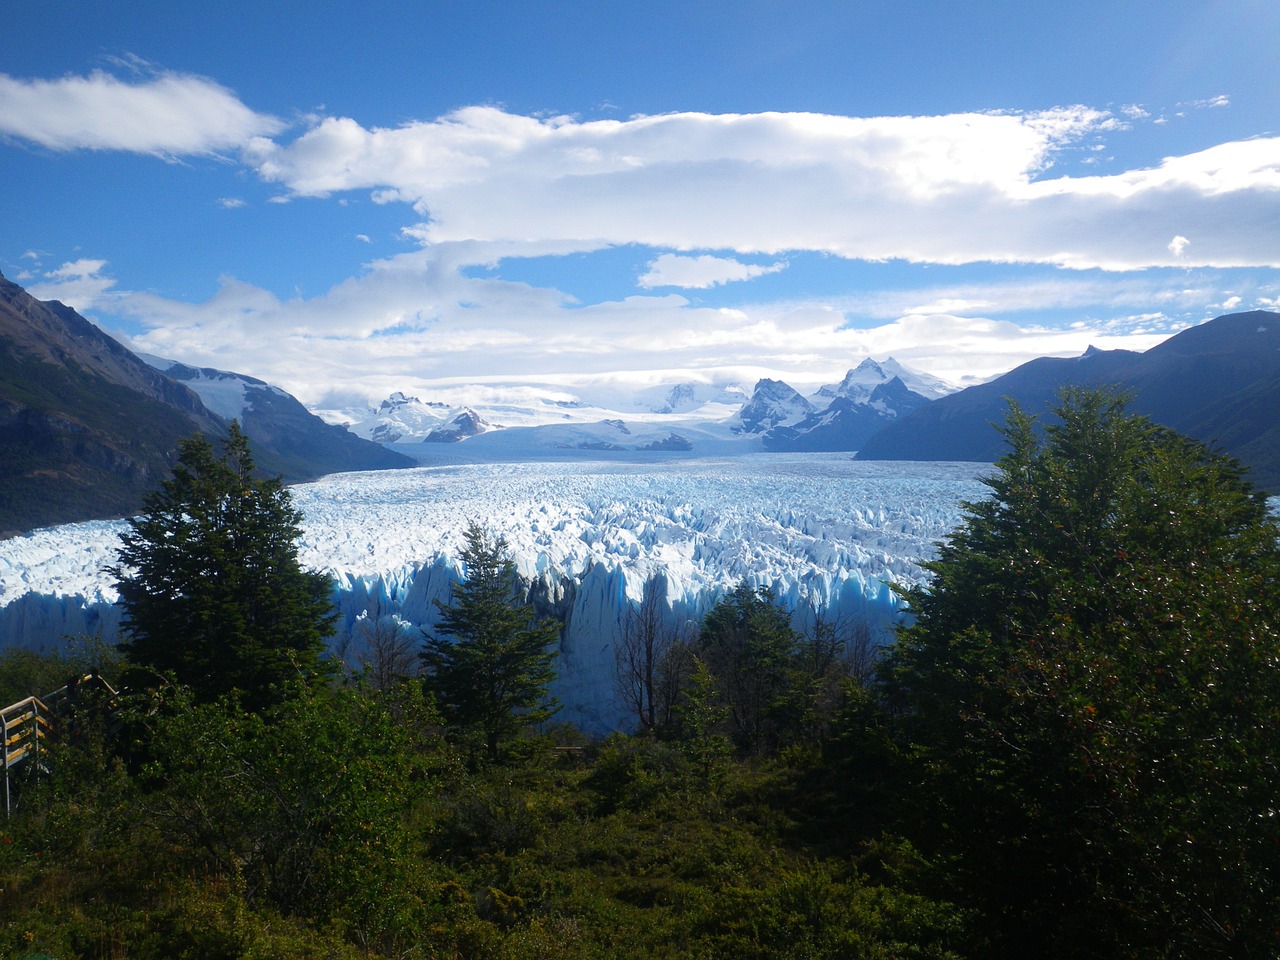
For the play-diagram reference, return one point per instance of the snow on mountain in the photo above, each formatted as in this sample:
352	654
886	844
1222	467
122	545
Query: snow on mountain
711	400
773	403
702	417
400	418
826	533
229	395
859	382
460	426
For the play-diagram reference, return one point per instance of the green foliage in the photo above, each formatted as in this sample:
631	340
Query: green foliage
25	673
302	807
210	581
490	663
748	644
1092	684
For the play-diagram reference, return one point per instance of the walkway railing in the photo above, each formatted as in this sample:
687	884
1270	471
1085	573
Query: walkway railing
27	726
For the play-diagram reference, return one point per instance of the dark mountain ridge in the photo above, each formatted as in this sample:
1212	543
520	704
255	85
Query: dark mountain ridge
87	427
1218	382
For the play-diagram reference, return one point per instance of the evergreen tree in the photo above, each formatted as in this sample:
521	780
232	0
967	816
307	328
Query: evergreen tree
210	581
490	663
1092	682
748	643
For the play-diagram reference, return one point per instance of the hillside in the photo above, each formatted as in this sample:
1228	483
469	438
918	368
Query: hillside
1218	382
87	427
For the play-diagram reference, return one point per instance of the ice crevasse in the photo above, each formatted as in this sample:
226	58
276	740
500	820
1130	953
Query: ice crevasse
829	536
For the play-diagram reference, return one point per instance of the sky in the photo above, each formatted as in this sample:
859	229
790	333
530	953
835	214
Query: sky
455	199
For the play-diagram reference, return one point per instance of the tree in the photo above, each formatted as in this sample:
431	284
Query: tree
651	660
210	582
1092	682
490	663
748	643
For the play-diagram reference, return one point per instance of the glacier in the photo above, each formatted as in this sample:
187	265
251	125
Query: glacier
830	536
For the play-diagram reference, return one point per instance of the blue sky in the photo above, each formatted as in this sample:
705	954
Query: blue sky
351	199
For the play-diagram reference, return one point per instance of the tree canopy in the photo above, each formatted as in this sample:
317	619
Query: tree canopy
210	581
1092	683
490	662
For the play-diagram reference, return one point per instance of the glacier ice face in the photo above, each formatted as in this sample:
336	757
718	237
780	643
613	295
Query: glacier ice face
827	534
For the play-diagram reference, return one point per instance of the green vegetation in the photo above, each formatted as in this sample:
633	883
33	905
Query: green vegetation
491	663
1092	692
210	583
1070	752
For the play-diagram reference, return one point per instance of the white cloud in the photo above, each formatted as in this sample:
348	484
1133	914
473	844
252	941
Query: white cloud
79	284
950	189
77	269
1178	245
671	270
168	114
417	322
231	203
1221	100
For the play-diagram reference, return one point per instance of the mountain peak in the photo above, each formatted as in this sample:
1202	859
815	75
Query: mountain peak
772	403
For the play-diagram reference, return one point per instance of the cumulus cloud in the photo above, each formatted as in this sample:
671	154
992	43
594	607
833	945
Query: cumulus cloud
169	114
950	189
80	284
672	270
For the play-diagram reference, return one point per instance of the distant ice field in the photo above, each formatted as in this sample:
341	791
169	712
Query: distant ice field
829	535
767	517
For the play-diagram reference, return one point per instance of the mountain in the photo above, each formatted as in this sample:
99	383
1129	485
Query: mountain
401	418
859	383
847	422
772	403
288	439
87	427
1218	382
464	424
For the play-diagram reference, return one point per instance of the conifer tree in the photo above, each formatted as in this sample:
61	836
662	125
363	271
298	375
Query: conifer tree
1092	682
748	643
210	581
490	662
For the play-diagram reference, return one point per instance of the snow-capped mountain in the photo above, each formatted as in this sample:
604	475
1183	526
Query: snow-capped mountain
827	534
229	395
89	427
704	417
859	382
287	437
401	418
847	423
462	425
707	399
1217	382
773	403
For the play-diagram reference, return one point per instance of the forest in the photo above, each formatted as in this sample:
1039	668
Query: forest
1069	749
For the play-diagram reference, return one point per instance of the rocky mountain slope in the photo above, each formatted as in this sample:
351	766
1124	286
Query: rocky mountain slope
87	427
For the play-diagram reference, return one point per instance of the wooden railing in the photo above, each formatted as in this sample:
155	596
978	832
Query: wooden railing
27	726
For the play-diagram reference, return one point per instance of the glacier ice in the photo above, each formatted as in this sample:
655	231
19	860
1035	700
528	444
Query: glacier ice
827	534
